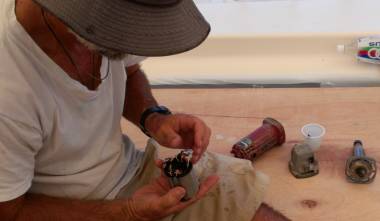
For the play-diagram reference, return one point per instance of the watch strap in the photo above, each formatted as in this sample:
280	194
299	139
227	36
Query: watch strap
155	109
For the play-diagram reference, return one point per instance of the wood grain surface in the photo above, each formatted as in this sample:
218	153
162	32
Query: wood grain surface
346	113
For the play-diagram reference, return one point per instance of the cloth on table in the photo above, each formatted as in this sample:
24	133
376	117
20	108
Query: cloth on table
237	195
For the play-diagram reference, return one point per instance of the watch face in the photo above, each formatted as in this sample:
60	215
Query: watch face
180	165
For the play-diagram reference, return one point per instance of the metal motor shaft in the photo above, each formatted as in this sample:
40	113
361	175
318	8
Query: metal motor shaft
360	168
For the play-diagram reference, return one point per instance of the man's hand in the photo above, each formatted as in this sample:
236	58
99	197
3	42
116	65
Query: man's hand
157	200
173	131
180	131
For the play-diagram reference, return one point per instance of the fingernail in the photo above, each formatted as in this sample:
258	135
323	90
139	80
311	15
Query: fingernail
180	192
195	159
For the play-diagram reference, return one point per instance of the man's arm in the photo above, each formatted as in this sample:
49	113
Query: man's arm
151	202
138	94
34	207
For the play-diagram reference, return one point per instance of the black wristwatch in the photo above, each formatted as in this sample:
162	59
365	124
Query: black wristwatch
155	109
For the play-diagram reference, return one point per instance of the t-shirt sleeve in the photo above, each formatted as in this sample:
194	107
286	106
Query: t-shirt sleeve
19	145
131	60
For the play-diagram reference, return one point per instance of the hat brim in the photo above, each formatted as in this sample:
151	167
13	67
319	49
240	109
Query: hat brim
133	28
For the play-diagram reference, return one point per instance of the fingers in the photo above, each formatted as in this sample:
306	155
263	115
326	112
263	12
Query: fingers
183	131
197	133
198	148
172	198
204	188
159	163
202	135
169	137
173	139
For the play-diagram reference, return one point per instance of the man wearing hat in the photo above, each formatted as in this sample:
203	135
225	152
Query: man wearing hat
69	72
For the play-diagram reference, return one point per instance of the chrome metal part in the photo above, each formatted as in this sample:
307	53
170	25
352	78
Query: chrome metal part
360	168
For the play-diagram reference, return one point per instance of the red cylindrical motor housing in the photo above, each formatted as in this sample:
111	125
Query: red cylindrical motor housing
269	135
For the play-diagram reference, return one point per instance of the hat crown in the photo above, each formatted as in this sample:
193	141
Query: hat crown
156	2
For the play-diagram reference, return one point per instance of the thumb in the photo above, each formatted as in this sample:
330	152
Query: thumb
172	198
172	139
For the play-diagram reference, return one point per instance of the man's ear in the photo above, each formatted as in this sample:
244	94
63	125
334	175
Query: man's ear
131	70
267	213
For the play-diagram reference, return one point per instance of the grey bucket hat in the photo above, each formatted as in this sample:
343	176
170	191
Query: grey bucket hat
138	27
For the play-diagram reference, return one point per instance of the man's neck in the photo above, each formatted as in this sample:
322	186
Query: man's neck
58	43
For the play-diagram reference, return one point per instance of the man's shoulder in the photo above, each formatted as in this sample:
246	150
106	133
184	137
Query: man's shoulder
14	72
22	91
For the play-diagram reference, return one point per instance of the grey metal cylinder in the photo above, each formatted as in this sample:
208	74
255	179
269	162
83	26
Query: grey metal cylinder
179	170
190	182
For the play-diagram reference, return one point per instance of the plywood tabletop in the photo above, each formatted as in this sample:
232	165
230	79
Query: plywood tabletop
346	113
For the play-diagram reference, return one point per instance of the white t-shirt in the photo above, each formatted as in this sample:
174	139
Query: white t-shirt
57	137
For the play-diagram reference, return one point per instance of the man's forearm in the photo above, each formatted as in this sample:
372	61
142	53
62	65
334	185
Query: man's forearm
33	207
138	95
